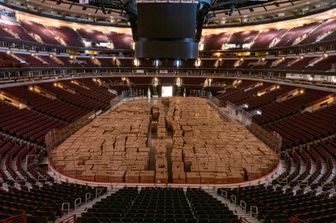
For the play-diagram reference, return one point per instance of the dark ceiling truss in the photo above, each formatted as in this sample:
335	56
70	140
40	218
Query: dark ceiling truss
240	4
216	4
100	4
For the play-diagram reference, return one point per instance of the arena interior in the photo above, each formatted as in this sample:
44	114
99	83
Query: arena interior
167	111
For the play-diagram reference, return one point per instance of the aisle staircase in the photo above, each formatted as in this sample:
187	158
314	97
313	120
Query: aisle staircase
84	207
236	209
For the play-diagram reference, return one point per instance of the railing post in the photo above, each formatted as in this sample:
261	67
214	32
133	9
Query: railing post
234	199
243	205
39	177
77	203
67	208
224	194
28	157
87	197
98	191
254	211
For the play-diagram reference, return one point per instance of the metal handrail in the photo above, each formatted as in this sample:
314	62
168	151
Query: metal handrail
67	208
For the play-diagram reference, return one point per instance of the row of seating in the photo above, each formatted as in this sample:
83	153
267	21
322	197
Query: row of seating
47	105
276	205
274	38
305	127
40	33
26	187
294	105
283	110
159	205
43	204
20	162
26	124
34	32
78	96
304	166
208	209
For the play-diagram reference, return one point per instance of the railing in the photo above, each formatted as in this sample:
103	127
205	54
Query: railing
238	113
200	93
21	218
134	93
56	136
215	101
115	101
272	140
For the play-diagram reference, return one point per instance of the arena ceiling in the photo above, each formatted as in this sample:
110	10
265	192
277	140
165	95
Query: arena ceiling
216	4
223	13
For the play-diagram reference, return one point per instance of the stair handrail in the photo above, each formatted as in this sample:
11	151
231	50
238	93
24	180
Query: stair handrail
254	211
224	194
99	191
67	208
77	203
243	204
233	199
87	197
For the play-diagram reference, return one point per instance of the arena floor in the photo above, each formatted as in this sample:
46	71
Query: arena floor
175	140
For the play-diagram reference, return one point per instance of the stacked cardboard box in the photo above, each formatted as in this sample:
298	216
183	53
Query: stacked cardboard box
147	176
205	147
214	149
109	146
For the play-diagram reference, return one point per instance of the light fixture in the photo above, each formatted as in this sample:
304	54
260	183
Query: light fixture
178	63
155	82
218	54
201	46
157	63
178	82
136	62
198	62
